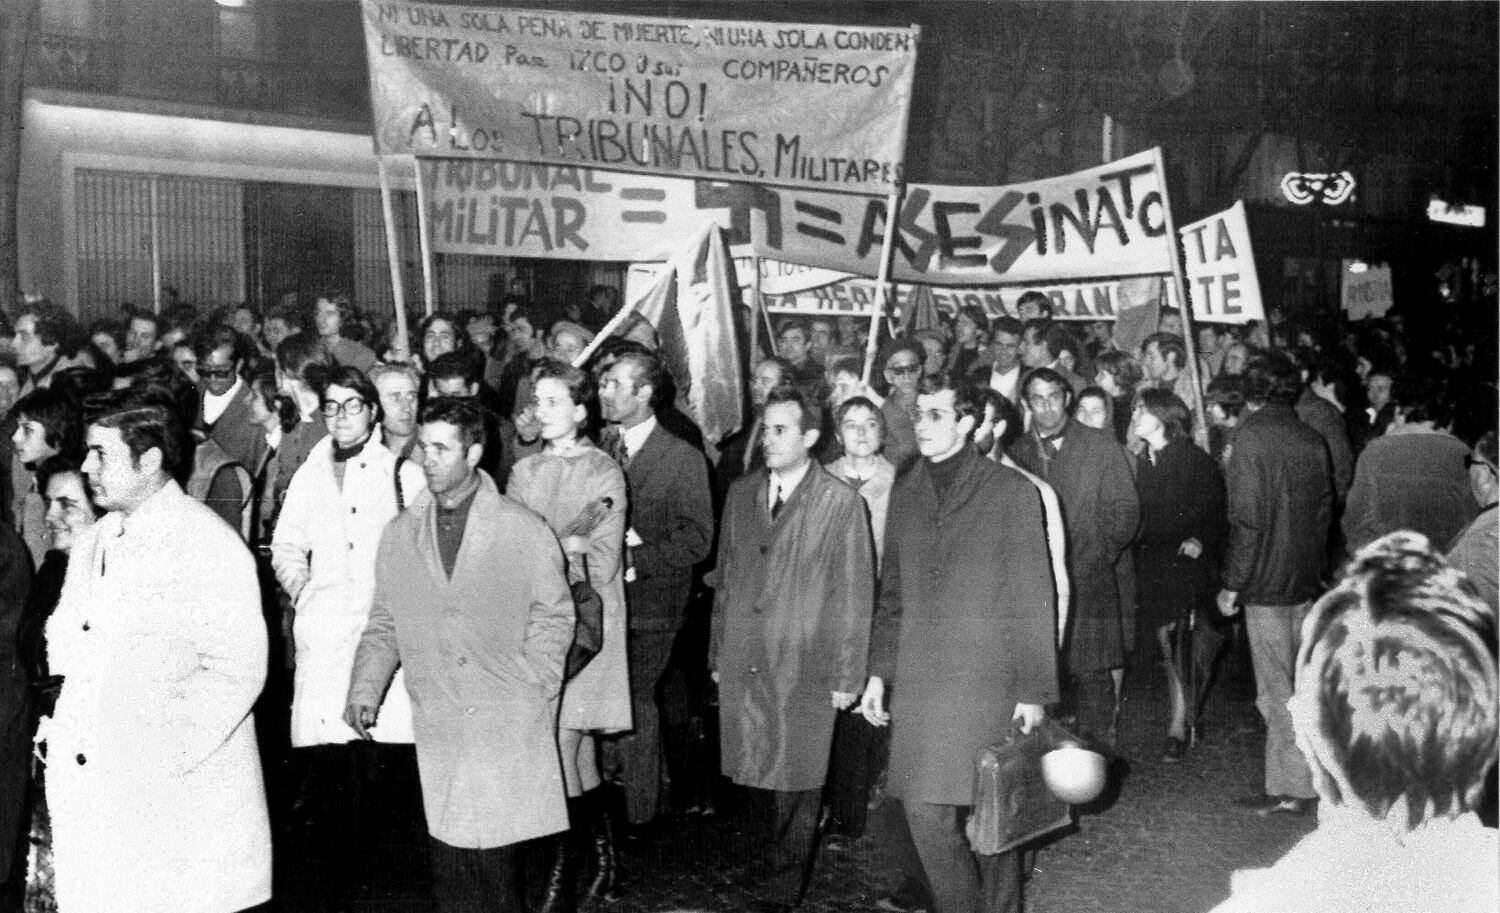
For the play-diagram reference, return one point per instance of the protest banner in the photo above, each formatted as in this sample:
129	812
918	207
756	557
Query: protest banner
1365	289
1108	221
1220	267
797	105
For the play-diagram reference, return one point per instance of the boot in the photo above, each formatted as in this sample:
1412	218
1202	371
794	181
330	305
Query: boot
604	883
560	893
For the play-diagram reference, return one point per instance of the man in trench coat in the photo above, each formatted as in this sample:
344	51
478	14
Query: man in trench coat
964	629
471	600
791	627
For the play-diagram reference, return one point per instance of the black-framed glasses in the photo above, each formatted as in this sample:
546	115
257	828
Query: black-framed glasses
206	371
905	370
354	405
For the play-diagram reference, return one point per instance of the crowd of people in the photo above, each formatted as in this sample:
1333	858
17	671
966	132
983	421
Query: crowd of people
273	568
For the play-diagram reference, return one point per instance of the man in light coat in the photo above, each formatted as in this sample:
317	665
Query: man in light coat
154	781
471	600
791	627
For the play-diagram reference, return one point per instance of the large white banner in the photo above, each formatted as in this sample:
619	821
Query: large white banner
798	105
1070	301
1220	268
1108	221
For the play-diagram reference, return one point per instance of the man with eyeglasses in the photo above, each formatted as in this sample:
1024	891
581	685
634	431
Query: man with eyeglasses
901	364
1475	548
963	627
1091	475
230	444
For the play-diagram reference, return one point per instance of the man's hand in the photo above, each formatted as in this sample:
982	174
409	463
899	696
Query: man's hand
872	704
1030	715
360	717
1191	548
1228	600
843	700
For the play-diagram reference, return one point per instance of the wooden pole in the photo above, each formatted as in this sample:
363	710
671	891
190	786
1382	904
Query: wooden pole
400	344
1184	309
756	307
424	239
882	281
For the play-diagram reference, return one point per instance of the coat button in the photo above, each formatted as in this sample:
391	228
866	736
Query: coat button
354	510
468	711
85	626
764	549
463	660
754	669
81	759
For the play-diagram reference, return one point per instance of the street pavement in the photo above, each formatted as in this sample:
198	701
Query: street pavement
1166	844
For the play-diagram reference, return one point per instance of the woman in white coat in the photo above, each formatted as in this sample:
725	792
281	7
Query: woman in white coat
337	506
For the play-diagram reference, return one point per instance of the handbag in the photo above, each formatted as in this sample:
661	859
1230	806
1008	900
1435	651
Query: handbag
588	633
1012	804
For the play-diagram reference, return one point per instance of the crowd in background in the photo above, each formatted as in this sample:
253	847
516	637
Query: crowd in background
308	436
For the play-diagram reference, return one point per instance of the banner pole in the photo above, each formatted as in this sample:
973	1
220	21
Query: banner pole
424	238
756	307
393	256
1184	309
882	281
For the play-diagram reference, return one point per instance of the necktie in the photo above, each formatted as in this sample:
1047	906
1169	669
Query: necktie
614	445
778	503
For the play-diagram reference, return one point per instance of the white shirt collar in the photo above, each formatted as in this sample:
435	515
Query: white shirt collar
214	407
786	482
635	438
273	437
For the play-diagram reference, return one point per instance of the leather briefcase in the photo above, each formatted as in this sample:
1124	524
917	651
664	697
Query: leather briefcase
1012	804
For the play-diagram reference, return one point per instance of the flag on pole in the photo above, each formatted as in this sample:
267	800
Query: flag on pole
691	306
920	312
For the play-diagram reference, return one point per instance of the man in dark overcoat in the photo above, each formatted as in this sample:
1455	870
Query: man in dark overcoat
964	630
671	530
1101	513
791	628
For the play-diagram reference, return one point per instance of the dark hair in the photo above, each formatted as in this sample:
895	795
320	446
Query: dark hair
352	378
1047	375
859	402
1334	375
1169	345
59	465
848	364
1170	410
462	413
289	314
905	344
649	370
59	414
791	323
579	382
1227	391
282	406
1060	339
1039	328
809	412
147	418
467	366
1419	399
1395	685
1005	411
460	327
304	357
1272	378
1032	296
1123	368
1008	325
967	398
1100	394
54	325
222	336
976	314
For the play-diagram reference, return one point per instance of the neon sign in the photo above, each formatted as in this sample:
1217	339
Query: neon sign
1329	189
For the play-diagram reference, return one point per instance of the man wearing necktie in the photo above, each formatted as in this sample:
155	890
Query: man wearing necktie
791	628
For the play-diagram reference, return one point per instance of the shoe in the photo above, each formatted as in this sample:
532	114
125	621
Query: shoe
838	843
1174	750
1291	808
560	893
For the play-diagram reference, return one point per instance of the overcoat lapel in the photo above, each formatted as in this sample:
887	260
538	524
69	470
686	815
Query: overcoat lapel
479	534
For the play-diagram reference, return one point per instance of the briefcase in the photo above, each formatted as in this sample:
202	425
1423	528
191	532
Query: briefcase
1012	804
